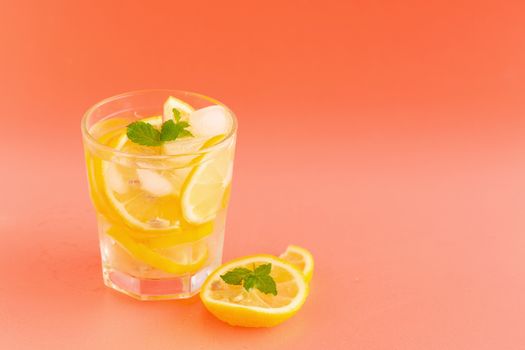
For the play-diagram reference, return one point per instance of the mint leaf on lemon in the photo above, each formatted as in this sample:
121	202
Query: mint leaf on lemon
259	278
262	270
266	284
145	134
236	275
249	282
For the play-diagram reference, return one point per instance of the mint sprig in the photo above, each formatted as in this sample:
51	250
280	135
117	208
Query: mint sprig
146	134
259	278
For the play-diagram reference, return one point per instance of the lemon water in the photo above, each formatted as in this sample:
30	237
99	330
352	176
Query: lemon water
161	210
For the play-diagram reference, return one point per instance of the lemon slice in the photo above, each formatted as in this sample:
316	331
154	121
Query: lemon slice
106	134
178	260
300	258
180	105
205	188
238	307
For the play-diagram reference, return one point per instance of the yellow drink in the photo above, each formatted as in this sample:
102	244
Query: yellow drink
161	209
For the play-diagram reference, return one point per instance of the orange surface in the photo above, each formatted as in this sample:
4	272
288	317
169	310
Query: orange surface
385	136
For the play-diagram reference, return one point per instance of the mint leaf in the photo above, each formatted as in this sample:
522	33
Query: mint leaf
249	281
263	269
169	131
185	133
266	284
147	135
259	278
143	134
183	124
176	114
235	276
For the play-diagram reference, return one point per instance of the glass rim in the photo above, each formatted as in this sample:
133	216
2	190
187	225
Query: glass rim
93	141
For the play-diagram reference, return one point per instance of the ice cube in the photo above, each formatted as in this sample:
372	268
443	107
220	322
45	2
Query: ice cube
210	121
154	183
115	180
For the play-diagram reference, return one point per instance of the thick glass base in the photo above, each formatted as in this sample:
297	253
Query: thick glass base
180	287
158	269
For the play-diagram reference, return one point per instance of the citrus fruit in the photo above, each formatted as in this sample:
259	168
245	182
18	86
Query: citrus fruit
236	306
300	258
182	107
205	187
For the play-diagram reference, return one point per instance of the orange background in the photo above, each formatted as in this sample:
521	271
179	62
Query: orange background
385	136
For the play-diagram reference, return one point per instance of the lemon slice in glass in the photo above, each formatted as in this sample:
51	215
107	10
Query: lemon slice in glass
205	188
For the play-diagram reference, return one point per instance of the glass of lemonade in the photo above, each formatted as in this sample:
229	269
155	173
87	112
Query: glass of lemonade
161	203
